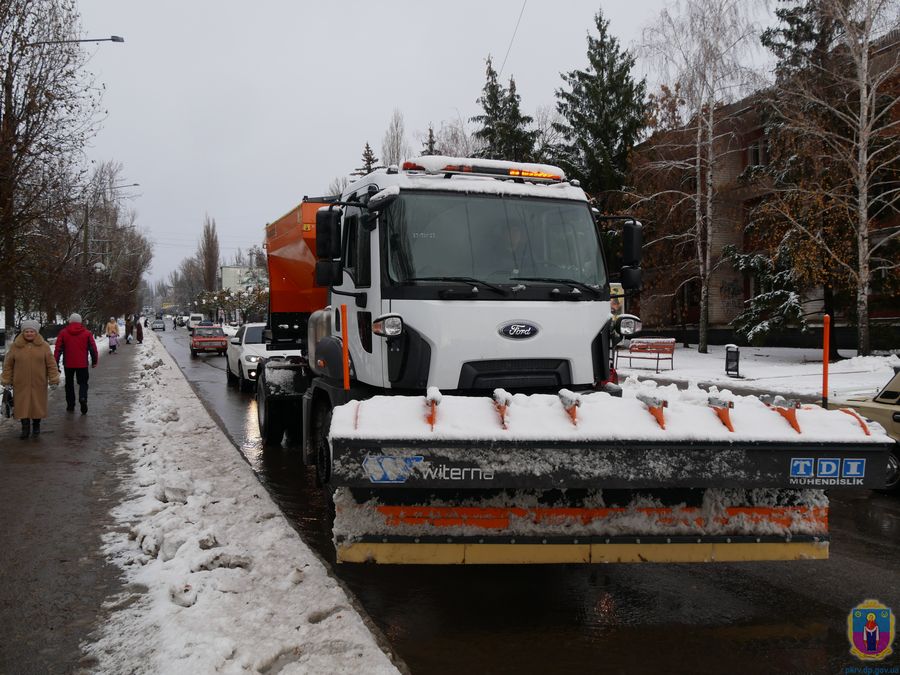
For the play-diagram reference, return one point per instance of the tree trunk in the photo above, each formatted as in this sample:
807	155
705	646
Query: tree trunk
704	315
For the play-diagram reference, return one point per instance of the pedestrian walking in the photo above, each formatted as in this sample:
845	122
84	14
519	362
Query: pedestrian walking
129	328
75	345
112	333
29	367
139	332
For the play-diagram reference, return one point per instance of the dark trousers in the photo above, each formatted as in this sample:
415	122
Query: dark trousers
72	374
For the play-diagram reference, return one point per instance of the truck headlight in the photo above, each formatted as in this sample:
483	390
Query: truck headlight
389	325
251	358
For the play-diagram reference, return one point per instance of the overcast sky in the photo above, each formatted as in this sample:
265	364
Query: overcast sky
238	110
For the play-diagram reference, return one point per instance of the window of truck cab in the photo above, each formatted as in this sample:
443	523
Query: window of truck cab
490	237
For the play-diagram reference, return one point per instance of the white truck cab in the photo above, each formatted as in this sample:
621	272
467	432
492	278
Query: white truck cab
466	275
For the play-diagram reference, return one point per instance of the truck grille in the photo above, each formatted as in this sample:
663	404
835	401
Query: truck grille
515	374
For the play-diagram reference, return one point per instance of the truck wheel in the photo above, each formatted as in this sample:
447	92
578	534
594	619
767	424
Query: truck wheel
321	427
230	379
270	416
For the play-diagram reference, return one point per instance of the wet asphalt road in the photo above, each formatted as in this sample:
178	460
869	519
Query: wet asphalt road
778	617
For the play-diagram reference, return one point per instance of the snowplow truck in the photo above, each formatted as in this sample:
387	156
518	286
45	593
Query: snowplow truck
453	389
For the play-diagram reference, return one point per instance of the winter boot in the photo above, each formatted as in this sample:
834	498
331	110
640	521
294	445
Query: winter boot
26	429
35	427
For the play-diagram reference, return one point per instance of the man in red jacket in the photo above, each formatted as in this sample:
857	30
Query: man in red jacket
74	344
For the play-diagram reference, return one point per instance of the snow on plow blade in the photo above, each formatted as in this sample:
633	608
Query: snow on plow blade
592	478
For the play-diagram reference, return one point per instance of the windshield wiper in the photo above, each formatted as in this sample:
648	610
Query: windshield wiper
463	280
553	280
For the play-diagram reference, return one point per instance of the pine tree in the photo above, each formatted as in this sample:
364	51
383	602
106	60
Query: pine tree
493	103
430	145
517	138
369	162
604	112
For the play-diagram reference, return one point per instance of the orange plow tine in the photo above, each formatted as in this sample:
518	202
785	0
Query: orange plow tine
862	423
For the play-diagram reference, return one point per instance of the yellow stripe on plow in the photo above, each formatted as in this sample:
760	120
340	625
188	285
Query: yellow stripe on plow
525	554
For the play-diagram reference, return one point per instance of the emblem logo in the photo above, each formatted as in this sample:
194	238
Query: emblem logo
384	469
870	628
518	330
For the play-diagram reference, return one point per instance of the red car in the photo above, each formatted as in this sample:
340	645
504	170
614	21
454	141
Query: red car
208	339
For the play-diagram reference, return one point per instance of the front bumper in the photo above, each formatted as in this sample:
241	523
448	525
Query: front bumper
552	465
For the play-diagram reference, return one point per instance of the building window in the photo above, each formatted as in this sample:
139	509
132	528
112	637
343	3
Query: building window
758	152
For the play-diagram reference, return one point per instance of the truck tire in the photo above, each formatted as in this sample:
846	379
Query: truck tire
270	415
321	426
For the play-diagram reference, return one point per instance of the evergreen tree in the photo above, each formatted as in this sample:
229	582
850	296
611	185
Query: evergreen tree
430	145
369	162
604	112
493	103
517	138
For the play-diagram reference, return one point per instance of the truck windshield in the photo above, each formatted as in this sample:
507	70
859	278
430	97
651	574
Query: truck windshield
491	238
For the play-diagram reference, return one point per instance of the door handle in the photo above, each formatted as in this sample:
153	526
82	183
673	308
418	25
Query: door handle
896	417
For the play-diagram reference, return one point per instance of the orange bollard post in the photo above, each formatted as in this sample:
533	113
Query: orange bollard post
826	330
345	339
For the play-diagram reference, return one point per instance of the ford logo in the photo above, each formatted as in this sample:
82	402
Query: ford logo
518	330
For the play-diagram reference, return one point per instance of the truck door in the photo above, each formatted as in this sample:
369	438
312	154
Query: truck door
361	295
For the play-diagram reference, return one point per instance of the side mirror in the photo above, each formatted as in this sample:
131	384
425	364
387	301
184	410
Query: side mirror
631	278
381	200
632	240
328	233
328	272
236	341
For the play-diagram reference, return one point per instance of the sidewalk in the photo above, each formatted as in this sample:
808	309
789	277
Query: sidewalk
55	495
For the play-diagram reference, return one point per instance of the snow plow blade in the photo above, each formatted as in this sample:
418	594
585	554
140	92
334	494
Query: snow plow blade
592	478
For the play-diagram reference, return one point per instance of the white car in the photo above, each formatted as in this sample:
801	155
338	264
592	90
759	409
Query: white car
244	352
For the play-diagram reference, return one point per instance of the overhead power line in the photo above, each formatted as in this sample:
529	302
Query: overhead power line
512	39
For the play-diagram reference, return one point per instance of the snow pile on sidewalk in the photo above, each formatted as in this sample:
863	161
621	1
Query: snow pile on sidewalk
778	370
220	582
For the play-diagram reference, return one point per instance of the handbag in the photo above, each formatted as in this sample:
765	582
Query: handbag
7	402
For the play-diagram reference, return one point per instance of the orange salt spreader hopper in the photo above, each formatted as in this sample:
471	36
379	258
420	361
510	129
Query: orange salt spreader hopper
293	295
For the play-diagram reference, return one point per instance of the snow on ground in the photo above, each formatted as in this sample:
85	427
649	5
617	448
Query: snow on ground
218	580
779	370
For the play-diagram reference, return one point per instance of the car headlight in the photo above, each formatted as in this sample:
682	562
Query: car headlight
250	358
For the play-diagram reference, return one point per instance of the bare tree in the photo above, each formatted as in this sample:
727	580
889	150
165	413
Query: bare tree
703	46
456	140
394	148
849	105
546	124
208	254
337	185
48	107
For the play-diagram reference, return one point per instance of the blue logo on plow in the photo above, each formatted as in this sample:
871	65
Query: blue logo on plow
833	468
385	469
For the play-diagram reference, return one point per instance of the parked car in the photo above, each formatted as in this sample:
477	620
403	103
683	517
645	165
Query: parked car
208	339
883	408
245	351
158	324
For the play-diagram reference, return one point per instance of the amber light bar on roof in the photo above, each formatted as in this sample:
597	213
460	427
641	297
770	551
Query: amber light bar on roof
487	171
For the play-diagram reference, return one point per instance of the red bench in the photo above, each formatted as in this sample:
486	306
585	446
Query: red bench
656	349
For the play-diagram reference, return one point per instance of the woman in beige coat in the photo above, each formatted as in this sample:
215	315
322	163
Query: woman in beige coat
29	367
